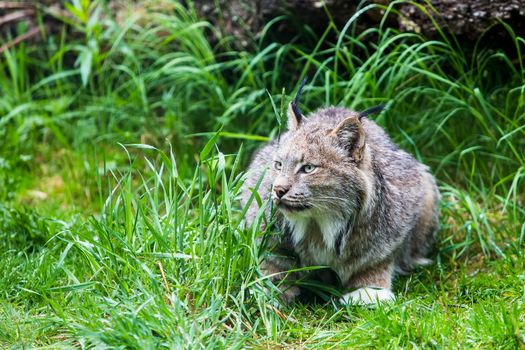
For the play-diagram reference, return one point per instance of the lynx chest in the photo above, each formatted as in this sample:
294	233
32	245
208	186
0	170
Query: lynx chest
318	242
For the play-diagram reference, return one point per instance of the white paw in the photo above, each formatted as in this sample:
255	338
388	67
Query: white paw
368	296
422	262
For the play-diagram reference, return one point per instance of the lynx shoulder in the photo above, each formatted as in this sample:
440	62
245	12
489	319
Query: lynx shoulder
347	197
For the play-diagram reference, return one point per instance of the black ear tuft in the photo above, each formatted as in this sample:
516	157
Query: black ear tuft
371	110
295	116
295	102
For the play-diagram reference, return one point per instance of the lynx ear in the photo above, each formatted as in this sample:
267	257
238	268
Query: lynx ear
295	117
352	136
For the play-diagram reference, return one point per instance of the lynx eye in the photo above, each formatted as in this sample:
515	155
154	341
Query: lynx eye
308	168
278	165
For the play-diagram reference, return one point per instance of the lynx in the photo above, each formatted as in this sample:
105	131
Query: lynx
346	197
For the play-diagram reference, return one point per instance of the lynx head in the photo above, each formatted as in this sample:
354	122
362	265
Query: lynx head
321	165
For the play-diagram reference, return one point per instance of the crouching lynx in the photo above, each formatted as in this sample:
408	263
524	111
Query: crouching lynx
348	198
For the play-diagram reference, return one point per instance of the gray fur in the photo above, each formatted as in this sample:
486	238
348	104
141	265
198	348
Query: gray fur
367	209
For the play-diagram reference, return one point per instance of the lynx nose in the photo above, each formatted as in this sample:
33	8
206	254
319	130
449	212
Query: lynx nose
280	190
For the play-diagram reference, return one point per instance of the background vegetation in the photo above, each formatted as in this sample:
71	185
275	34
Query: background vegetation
124	138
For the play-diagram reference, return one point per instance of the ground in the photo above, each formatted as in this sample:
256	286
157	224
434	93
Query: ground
124	144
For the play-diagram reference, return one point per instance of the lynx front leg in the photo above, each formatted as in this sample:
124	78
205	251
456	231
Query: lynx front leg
373	286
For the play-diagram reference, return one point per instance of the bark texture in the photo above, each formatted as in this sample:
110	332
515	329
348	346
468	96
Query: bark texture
467	19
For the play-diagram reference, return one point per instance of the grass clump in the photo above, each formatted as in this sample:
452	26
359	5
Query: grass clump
121	165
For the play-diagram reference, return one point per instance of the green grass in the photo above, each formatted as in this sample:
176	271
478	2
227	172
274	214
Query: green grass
124	142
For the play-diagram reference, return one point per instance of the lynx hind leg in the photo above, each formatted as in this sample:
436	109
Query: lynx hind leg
373	286
276	268
263	192
420	240
258	178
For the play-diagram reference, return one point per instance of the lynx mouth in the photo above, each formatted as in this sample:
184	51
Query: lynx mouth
292	207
